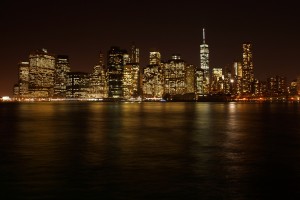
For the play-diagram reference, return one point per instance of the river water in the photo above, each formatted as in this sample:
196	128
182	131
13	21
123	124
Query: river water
94	150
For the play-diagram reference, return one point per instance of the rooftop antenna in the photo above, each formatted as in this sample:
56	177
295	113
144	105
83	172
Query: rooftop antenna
203	35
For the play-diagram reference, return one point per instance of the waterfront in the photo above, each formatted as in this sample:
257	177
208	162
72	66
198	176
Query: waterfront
95	150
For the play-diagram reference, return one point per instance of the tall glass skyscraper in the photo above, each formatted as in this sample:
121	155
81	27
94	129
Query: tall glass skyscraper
204	65
115	66
247	70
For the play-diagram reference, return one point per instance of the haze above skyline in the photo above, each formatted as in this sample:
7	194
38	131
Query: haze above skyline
82	29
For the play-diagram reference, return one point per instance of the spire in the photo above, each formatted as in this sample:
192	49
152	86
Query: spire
203	35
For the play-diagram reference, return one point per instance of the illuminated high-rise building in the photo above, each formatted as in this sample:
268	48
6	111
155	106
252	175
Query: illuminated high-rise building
263	88
259	88
136	67
293	88
247	70
217	80
237	69
155	58
16	90
204	65
132	75
62	67
190	78
237	77
174	76
153	77
23	79
199	79
77	85
228	80
98	80
126	58
41	74
276	86
115	66
135	54
153	81
131	80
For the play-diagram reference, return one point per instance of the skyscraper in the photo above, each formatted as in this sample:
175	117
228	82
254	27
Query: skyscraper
135	54
41	74
190	79
204	65
23	79
77	85
153	77
247	70
132	75
228	79
131	80
217	80
62	67
237	77
276	86
155	58
98	80
199	78
174	76
115	66
293	88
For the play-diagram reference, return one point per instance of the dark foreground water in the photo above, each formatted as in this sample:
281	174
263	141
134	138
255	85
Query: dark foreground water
149	151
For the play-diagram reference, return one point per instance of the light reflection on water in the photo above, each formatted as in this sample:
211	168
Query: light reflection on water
149	150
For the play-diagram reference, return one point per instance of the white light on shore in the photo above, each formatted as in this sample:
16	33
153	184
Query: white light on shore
6	98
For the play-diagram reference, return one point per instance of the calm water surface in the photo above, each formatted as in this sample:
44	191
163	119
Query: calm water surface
149	151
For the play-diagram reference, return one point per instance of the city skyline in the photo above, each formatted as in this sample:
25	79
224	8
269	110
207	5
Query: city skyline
81	31
46	76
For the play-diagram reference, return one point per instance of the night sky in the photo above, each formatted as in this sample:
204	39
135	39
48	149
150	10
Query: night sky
83	29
